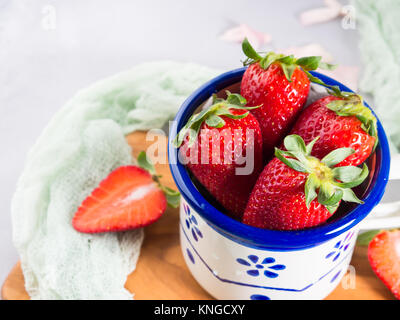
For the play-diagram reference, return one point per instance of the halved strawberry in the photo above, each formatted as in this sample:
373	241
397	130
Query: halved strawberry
129	198
384	257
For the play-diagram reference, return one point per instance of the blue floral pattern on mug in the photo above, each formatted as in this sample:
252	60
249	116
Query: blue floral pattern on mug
336	276
190	255
266	266
191	223
340	247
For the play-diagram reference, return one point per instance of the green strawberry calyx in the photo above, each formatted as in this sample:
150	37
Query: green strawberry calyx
173	196
212	116
352	104
365	238
288	62
325	182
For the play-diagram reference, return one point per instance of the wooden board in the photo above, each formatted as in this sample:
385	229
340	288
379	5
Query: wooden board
161	272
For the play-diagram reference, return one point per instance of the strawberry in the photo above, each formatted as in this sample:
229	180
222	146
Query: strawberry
129	198
280	84
219	142
285	196
384	257
339	120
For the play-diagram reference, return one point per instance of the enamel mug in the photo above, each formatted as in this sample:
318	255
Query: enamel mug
232	260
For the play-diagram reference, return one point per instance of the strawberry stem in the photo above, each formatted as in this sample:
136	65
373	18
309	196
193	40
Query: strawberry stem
332	183
288	62
365	238
352	104
172	195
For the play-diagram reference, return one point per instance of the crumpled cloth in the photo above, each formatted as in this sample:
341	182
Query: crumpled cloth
378	23
81	145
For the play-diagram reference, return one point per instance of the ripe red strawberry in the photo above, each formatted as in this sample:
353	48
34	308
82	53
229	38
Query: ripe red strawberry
285	196
339	121
384	257
280	84
217	144
129	198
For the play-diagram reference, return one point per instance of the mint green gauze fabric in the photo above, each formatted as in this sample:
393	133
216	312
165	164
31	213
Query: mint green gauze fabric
81	145
378	23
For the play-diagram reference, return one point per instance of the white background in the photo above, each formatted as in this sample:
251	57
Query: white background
41	67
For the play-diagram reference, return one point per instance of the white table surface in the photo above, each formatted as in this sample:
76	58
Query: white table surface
41	66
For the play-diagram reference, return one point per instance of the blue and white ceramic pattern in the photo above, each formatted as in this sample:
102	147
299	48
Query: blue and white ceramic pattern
235	261
230	270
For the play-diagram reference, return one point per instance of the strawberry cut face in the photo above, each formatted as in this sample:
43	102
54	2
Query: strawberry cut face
127	199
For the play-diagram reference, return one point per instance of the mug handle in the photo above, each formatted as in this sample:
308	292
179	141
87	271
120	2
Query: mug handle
385	215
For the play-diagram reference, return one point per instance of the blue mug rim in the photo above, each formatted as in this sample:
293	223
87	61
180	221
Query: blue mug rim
264	238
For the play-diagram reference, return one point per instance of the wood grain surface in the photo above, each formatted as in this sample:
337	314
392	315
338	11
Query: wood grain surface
161	272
